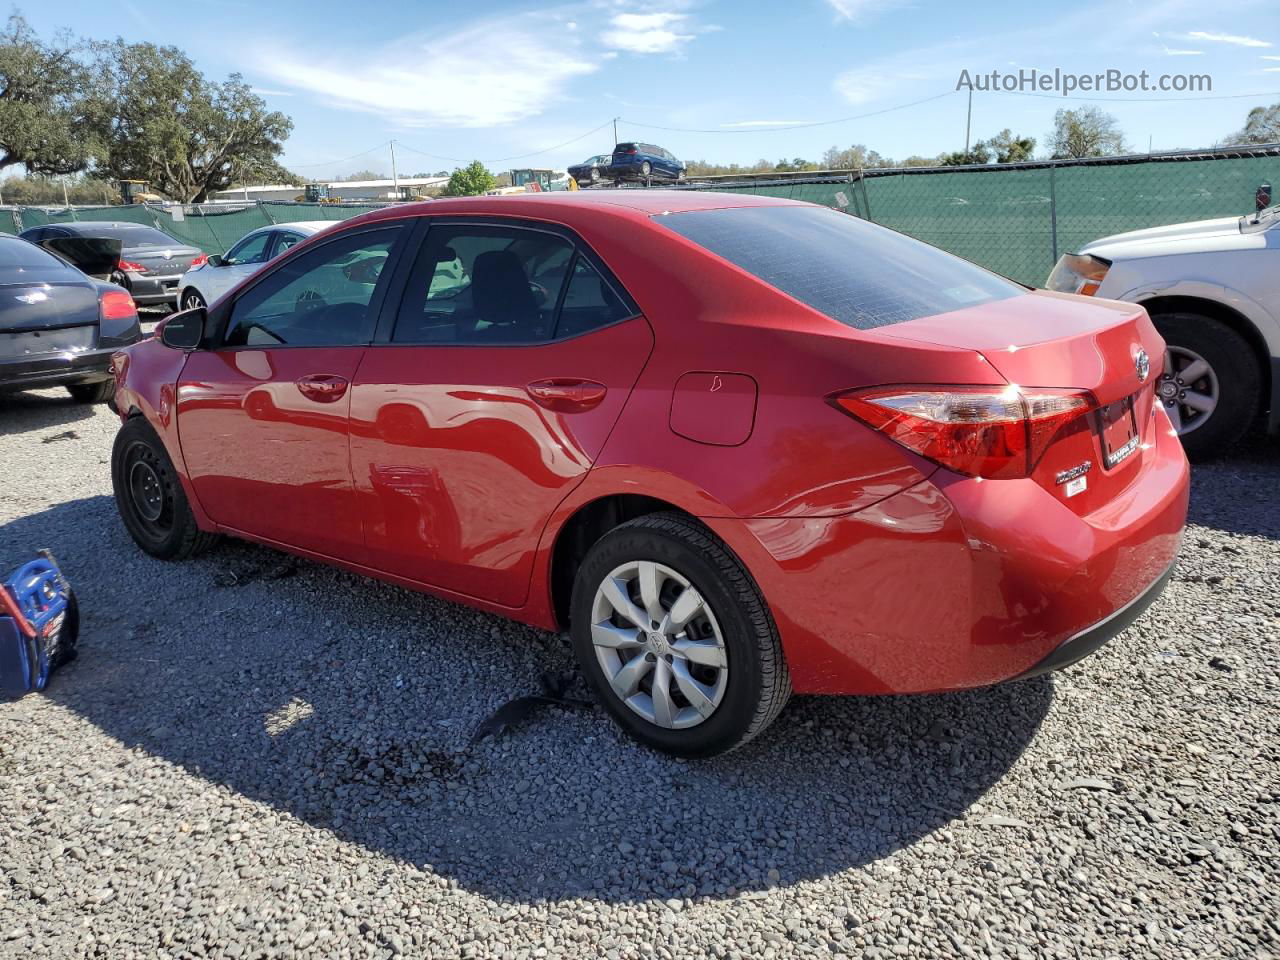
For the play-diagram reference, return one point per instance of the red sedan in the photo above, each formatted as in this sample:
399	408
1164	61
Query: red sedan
736	446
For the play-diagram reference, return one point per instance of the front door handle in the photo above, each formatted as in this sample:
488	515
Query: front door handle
323	387
566	394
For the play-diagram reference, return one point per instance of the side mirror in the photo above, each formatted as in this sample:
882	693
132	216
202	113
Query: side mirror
184	330
215	260
1262	199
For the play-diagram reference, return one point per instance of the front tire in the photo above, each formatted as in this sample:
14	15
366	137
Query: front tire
190	299
100	391
149	495
674	638
1211	386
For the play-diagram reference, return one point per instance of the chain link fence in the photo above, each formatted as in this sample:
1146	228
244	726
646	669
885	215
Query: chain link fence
213	227
1018	218
1015	219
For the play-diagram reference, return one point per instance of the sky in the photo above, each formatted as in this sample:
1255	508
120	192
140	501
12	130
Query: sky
540	84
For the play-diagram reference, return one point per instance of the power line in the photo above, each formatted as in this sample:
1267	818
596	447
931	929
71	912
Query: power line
793	126
518	156
1216	96
327	163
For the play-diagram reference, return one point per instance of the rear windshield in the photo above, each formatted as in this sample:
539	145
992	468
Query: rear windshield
18	254
624	148
851	270
130	234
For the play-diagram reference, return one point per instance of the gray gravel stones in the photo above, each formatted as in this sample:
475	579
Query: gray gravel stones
281	768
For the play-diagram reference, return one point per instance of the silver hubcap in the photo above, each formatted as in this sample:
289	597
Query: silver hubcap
1188	389
193	300
659	645
148	495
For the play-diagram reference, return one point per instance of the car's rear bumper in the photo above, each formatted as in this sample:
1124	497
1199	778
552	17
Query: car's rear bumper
957	583
149	291
56	369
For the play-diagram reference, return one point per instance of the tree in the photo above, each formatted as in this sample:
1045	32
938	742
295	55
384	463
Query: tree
978	153
46	115
49	190
469	181
856	157
366	175
1086	132
1009	148
165	123
1262	125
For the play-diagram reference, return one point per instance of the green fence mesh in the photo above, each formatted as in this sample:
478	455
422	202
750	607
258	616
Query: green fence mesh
1014	219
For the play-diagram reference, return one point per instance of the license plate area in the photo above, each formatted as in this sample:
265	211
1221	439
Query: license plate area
1117	427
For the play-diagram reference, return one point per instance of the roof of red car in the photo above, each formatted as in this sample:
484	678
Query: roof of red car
642	202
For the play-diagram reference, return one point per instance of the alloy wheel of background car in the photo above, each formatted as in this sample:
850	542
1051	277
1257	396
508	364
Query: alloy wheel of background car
1188	389
645	169
717	676
595	174
1211	386
150	497
659	644
192	299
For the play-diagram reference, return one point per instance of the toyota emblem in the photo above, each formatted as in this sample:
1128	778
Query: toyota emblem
1142	363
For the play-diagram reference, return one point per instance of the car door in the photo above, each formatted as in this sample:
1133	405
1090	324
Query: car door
241	262
263	416
487	400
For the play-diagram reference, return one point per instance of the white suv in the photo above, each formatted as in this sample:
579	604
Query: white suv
1213	291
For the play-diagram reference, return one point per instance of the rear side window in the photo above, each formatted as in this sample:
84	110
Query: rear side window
853	271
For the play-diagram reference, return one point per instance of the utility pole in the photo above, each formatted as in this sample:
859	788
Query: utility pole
615	129
967	118
66	202
395	179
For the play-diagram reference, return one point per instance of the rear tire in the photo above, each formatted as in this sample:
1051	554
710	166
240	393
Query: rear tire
100	391
1223	373
730	646
150	498
645	169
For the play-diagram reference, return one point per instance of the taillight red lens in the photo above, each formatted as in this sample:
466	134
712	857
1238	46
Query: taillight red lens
117	305
998	433
130	265
200	261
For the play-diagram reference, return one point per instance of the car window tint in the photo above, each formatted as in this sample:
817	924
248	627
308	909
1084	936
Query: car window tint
589	302
851	270
251	249
25	255
129	234
286	240
479	284
320	298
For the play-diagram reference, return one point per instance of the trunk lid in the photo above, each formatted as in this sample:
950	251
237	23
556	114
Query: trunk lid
1060	341
161	261
46	318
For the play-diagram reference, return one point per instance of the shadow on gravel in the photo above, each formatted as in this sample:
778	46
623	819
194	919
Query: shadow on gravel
1238	494
349	704
31	412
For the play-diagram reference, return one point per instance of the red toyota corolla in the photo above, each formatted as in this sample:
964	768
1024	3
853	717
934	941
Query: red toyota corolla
736	446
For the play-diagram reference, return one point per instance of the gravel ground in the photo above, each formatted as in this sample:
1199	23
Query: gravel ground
239	766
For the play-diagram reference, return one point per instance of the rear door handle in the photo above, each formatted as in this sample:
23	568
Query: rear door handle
323	387
566	394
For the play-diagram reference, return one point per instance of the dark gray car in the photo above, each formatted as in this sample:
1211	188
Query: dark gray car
59	327
151	261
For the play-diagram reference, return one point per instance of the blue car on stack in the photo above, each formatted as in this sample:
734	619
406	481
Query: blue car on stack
644	161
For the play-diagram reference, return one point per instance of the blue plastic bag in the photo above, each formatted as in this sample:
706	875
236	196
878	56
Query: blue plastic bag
39	626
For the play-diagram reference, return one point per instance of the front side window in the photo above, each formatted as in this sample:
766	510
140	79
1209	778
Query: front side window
285	240
250	250
321	298
484	284
853	271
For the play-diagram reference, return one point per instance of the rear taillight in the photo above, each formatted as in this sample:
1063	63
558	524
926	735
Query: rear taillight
998	433
117	305
130	265
200	261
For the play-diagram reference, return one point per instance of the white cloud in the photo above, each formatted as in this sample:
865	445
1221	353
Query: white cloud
766	123
492	72
647	32
1229	38
866	86
264	92
1266	57
1168	52
856	9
